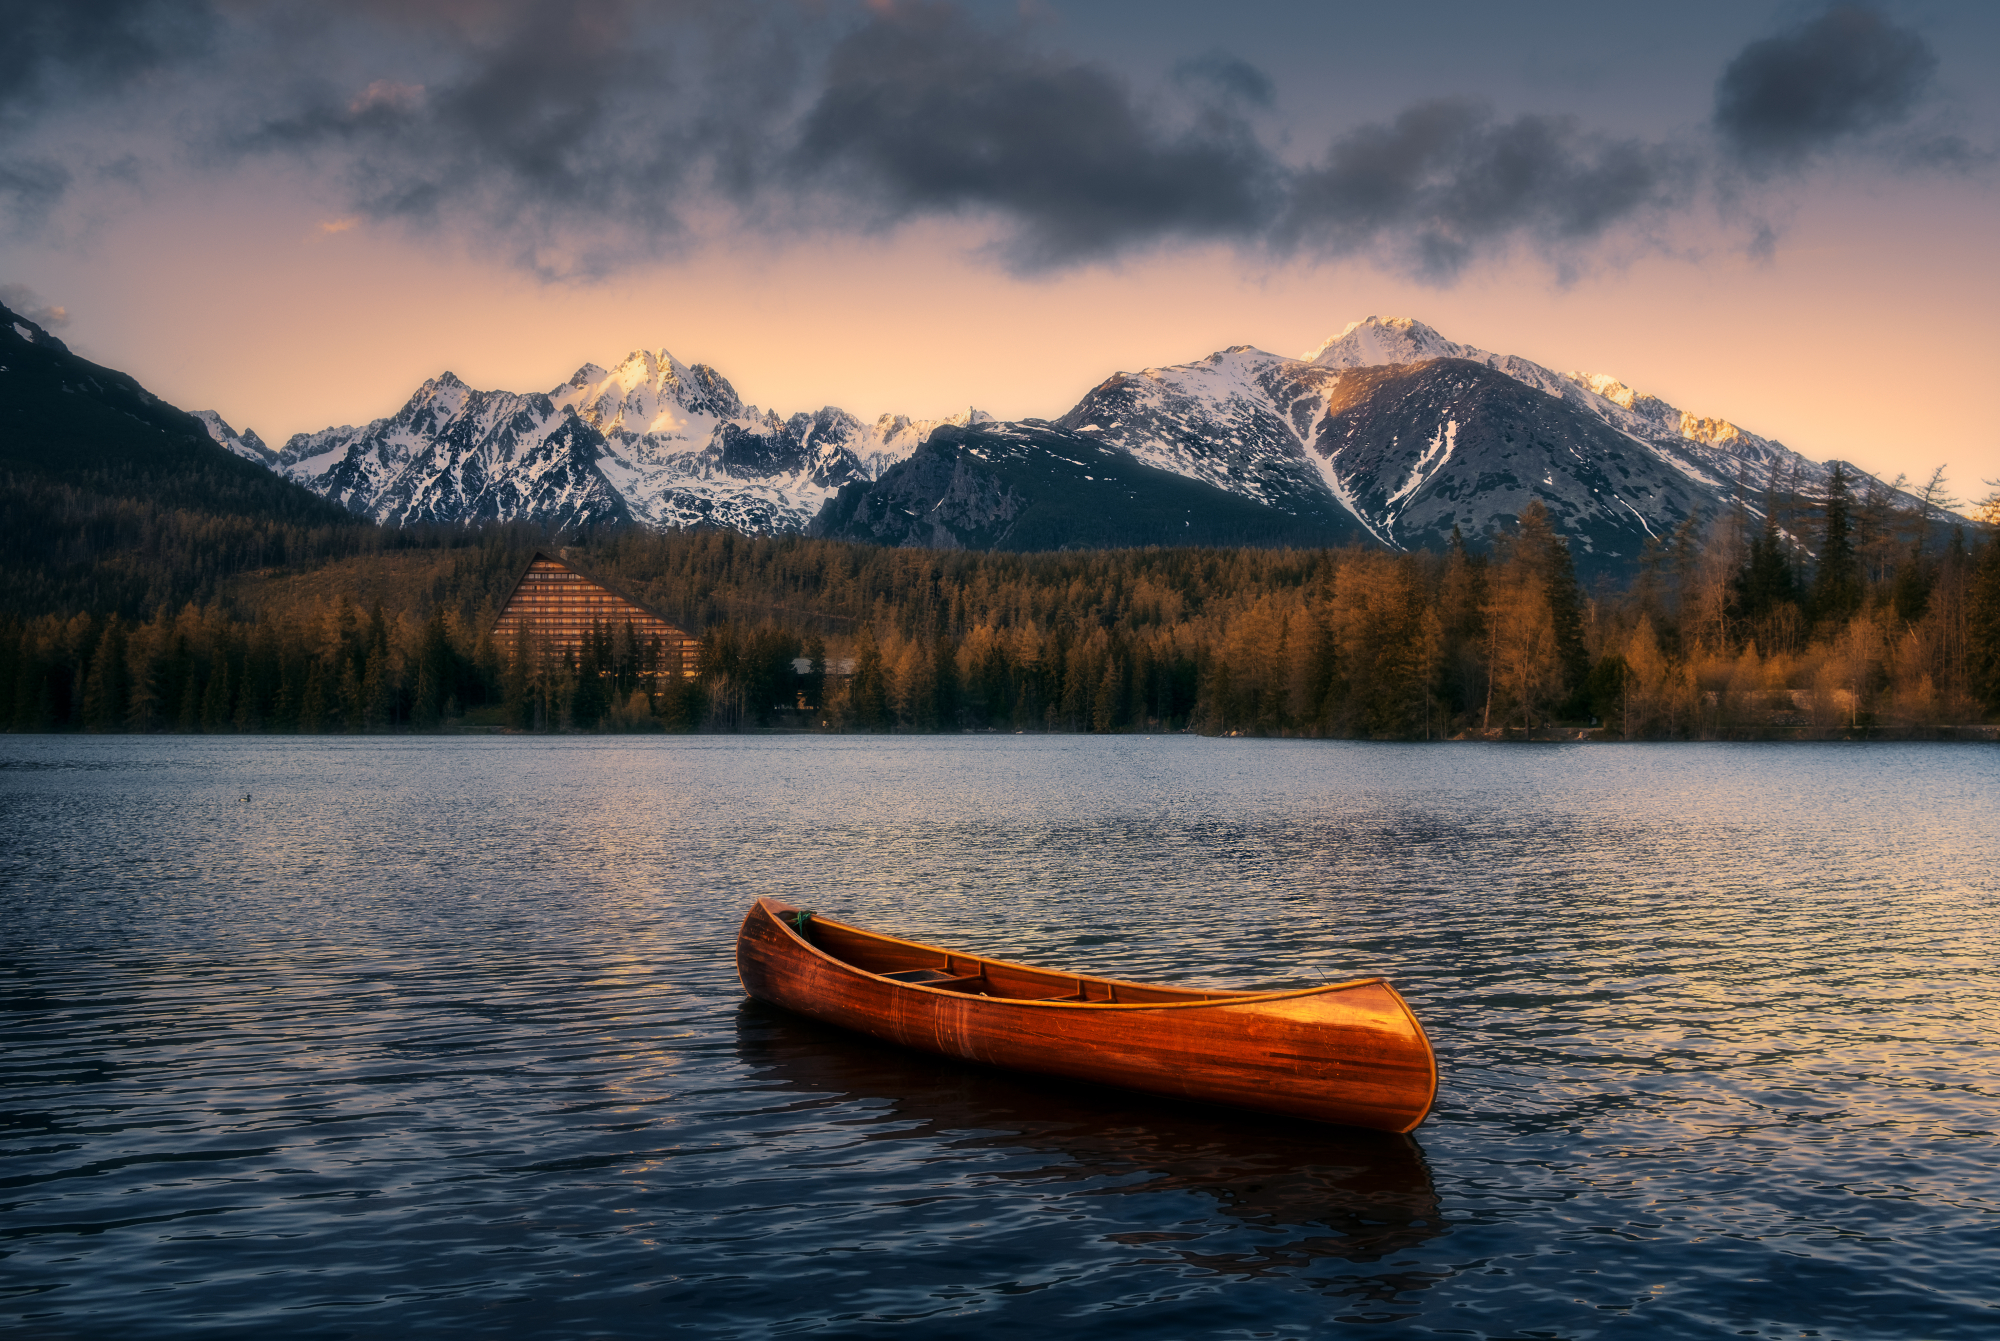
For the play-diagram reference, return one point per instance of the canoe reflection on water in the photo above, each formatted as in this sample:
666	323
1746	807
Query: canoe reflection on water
1366	1194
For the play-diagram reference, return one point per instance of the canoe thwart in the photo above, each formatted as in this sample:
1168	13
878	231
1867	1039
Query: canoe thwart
938	978
1348	1052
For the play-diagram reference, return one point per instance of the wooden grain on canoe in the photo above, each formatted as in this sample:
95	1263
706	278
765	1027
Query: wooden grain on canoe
1349	1053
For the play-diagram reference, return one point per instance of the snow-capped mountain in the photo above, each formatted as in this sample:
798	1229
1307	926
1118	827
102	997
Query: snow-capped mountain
245	444
1712	445
1032	486
653	440
1388	430
453	454
682	448
1416	434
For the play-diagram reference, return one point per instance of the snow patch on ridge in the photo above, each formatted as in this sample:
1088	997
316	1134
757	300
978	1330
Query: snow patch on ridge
1324	468
667	443
245	444
1442	443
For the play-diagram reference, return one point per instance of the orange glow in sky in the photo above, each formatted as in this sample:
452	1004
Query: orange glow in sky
276	290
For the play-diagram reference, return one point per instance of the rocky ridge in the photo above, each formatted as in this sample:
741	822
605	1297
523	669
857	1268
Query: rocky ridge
653	440
1388	430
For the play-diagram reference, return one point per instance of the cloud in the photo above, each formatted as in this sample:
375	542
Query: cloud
924	113
1231	76
574	133
61	49
579	137
24	301
1841	76
1446	182
30	188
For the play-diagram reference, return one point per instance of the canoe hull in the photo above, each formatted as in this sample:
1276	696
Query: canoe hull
1352	1054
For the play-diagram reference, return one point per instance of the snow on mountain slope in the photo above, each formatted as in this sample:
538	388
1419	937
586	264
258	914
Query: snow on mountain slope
1408	432
652	440
1236	420
1714	451
453	454
1030	486
1410	449
1434	445
682	447
245	444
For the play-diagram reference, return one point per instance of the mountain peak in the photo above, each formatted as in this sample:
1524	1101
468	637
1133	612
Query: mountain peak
1375	341
647	367
245	444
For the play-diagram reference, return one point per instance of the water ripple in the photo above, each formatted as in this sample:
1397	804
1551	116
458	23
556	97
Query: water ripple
445	1037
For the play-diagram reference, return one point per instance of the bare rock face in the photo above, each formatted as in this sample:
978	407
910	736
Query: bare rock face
652	440
1415	434
1410	451
1036	486
1388	432
452	454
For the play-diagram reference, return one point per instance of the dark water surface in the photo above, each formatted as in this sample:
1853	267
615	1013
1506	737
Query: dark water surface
444	1038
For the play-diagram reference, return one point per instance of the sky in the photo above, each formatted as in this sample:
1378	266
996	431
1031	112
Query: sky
293	213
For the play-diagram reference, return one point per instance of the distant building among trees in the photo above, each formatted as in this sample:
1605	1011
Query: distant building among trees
1814	615
558	612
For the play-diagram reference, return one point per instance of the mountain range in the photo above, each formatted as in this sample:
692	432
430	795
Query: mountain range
653	441
1387	432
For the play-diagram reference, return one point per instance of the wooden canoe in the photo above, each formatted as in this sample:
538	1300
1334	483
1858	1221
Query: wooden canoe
1349	1053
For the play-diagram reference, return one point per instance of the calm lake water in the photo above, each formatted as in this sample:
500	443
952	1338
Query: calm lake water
444	1038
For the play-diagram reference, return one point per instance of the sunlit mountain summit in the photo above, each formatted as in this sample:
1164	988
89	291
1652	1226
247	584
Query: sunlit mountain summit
653	440
1388	432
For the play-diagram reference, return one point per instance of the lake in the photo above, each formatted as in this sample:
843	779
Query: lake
360	1037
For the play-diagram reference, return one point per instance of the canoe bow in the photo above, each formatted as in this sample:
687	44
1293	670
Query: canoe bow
1351	1053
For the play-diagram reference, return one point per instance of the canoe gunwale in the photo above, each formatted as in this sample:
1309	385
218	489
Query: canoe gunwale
1217	996
1350	1053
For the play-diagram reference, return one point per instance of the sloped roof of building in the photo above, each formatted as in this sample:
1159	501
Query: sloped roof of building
563	560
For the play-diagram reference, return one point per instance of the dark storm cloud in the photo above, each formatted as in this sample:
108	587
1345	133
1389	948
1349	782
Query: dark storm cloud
52	49
575	129
580	136
1445	181
56	53
1230	75
1843	75
924	113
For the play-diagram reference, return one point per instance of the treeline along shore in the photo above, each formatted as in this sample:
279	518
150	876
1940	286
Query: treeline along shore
1724	633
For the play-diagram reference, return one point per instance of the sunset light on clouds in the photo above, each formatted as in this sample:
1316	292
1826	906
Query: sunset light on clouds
1237	504
1778	214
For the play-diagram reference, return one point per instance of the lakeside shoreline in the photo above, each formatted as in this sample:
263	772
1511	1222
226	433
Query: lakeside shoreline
1959	733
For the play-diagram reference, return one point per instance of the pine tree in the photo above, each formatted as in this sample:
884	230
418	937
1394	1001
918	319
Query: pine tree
1982	627
868	692
1836	592
1766	580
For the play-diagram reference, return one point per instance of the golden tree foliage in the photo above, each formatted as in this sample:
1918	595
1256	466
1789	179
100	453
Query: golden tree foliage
1717	637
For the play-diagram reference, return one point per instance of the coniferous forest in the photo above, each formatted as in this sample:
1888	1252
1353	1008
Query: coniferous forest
1726	632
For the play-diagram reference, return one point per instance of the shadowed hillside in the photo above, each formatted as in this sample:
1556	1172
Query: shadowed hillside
113	500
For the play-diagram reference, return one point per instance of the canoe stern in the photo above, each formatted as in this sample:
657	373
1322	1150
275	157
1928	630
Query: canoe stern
1352	1054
